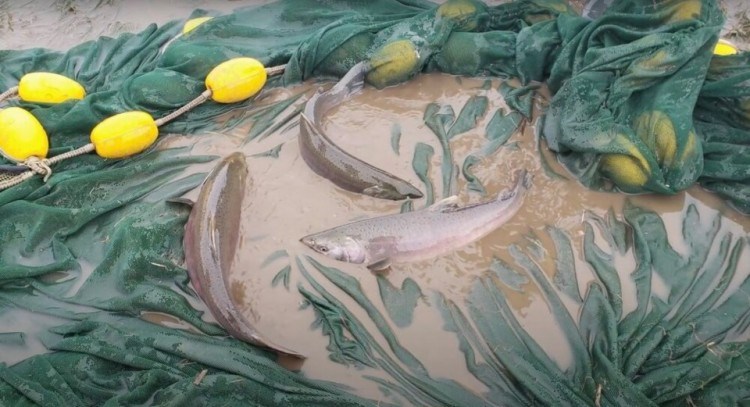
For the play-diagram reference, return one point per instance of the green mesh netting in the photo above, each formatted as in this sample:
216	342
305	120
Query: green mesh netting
638	99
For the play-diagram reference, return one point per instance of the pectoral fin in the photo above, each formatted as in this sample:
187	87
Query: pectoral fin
380	265
183	201
374	191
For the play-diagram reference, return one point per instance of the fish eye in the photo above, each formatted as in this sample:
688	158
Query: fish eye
324	249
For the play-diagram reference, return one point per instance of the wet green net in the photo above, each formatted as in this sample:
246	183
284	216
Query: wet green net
640	104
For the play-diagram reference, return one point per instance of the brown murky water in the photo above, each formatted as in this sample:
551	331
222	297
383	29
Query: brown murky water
287	201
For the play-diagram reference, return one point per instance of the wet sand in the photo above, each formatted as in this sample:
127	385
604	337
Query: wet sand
63	24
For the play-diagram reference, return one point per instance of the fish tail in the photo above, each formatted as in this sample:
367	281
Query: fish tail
523	178
350	84
523	182
322	102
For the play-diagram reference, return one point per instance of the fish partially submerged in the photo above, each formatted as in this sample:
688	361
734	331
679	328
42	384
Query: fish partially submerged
418	235
210	243
331	162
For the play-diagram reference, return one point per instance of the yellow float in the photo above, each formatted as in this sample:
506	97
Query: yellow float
236	80
21	135
49	88
124	134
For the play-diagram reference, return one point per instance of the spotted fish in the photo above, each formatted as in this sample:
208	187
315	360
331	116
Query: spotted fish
210	243
331	162
418	235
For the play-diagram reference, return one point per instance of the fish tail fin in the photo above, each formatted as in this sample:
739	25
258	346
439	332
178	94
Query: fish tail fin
523	178
350	84
523	182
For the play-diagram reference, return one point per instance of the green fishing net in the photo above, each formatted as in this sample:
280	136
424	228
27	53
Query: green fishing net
639	101
721	116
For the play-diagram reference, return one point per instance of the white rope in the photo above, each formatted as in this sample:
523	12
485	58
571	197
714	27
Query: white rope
9	93
190	105
38	166
70	154
6	176
41	167
16	180
275	70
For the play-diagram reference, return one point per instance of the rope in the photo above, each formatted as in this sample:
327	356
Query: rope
190	105
275	70
4	177
40	166
16	180
8	93
70	154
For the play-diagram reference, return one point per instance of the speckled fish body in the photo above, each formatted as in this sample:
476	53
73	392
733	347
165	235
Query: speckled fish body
331	162
211	238
418	235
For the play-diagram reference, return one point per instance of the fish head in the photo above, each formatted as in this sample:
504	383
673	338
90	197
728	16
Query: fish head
336	246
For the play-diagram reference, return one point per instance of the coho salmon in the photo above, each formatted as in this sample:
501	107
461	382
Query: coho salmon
211	236
331	162
421	234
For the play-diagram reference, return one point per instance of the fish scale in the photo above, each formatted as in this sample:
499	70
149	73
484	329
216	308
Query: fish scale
419	235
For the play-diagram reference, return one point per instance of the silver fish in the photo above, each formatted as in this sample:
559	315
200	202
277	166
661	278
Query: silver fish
210	243
331	162
418	235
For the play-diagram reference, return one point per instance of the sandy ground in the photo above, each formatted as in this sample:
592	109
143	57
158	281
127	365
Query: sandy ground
61	24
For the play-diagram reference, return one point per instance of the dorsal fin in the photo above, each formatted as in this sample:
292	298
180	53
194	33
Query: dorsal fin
445	205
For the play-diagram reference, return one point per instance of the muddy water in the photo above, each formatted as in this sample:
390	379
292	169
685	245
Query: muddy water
287	201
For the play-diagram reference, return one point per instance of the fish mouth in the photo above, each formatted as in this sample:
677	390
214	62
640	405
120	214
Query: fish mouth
308	241
415	194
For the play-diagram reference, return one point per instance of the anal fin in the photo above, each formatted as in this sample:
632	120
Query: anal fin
183	201
380	265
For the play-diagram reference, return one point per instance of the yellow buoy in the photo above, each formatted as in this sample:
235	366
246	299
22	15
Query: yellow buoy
236	80
462	12
21	135
625	171
394	62
689	147
191	24
655	128
47	87
124	134
724	48
685	10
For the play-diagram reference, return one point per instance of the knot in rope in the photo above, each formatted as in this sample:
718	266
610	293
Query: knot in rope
39	166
